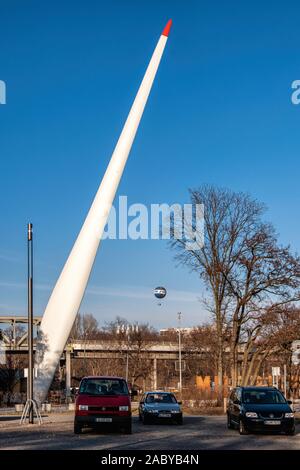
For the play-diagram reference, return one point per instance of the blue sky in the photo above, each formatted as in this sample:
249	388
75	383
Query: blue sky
220	112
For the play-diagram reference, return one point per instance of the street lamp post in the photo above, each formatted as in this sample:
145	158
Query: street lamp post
124	329
30	320
127	329
284	381
127	364
31	406
179	351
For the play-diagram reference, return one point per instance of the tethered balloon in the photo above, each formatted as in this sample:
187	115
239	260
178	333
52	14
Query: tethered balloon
160	293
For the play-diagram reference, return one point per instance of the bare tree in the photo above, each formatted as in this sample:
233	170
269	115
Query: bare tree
202	341
229	217
243	267
85	327
271	335
133	340
263	275
11	373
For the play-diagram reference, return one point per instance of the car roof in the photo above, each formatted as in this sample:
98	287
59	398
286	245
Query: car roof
262	387
107	377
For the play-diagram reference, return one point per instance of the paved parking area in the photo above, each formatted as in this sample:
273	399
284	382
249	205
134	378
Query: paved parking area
197	432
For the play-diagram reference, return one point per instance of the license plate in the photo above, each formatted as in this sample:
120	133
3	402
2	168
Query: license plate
274	423
103	420
164	415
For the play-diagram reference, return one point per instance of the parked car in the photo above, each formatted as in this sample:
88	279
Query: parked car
259	409
103	401
159	406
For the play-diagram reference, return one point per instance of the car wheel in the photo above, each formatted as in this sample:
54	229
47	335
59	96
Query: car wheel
127	429
242	428
77	428
179	421
291	432
145	419
229	422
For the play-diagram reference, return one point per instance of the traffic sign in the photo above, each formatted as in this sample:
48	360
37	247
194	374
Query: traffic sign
276	371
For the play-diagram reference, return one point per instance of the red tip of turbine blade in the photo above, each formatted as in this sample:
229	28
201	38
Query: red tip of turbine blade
167	28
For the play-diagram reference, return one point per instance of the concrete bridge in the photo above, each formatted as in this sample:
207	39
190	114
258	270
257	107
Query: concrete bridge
92	349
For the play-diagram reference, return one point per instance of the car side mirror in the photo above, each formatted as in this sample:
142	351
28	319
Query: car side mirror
179	402
289	402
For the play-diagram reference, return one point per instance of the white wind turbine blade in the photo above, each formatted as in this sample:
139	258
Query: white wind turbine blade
68	292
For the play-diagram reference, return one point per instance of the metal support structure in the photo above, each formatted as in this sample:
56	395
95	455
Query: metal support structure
179	352
15	342
31	407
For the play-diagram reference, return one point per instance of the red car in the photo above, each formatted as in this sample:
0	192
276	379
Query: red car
103	400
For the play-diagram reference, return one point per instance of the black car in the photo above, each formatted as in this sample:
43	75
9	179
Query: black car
259	409
159	406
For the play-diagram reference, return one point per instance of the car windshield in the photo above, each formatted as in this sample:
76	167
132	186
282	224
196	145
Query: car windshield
102	387
160	398
261	397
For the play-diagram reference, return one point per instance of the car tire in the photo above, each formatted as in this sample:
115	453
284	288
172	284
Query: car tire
77	428
127	429
291	432
229	422
179	421
145	420
242	429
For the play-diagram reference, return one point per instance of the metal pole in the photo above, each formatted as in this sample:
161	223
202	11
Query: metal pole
179	349
127	332
155	373
284	379
68	374
14	334
30	320
127	366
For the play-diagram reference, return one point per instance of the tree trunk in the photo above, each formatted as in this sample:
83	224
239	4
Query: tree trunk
247	378
233	355
258	366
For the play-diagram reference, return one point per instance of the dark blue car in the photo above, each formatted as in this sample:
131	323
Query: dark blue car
160	407
259	409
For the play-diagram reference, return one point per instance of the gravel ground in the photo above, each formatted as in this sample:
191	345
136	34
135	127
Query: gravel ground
197	432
